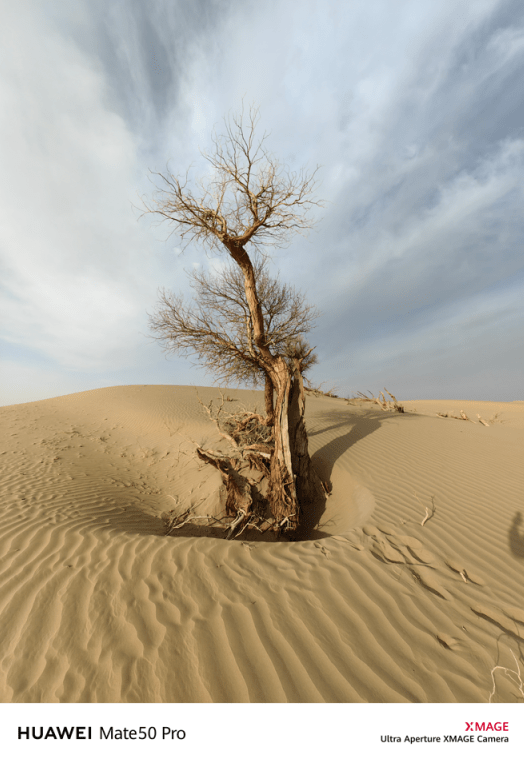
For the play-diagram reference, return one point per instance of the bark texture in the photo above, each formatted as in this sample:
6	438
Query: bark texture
293	482
268	399
308	485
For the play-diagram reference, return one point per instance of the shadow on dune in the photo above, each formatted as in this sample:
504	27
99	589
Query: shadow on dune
353	427
325	458
358	425
135	522
516	536
309	526
132	522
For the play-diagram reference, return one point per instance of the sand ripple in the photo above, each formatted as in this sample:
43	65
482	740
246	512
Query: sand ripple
97	605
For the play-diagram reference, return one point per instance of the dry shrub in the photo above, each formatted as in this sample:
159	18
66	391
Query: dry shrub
381	401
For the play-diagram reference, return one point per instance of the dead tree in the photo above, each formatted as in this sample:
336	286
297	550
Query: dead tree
217	326
252	201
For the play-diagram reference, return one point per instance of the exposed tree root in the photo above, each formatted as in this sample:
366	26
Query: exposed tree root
173	520
247	505
260	496
253	485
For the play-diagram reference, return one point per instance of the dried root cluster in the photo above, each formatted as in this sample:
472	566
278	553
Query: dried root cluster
245	474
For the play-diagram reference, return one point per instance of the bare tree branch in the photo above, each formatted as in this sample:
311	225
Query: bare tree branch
251	198
217	327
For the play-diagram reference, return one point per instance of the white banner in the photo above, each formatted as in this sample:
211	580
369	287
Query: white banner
229	730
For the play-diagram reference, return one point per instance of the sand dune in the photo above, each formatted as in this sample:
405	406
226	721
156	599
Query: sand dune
97	604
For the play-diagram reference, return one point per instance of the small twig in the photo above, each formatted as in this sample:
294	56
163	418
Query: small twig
429	514
181	524
175	521
462	416
208	409
249	522
219	520
241	514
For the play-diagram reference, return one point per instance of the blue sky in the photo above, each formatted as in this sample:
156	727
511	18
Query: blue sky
414	110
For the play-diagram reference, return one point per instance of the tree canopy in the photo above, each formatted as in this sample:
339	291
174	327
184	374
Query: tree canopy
217	329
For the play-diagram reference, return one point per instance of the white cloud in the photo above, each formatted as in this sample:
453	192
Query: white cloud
410	108
72	241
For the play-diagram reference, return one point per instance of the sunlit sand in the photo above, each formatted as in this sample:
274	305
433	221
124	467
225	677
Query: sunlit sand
408	589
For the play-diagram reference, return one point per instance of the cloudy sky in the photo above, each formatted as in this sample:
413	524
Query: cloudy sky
414	110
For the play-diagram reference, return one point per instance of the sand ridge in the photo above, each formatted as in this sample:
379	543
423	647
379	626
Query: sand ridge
97	604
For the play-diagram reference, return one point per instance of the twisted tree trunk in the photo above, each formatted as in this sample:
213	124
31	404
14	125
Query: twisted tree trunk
282	490
293	482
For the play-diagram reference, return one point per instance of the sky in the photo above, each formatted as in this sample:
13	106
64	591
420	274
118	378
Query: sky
413	110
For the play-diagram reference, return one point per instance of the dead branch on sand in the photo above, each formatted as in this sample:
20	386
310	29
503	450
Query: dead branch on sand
463	417
429	514
518	676
243	429
386	405
310	389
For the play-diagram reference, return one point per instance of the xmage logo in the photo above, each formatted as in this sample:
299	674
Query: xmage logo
498	726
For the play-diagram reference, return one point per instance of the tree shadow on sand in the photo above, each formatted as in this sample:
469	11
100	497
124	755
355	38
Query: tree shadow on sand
359	425
516	536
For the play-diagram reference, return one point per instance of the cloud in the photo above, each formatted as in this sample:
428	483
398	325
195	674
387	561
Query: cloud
72	273
413	111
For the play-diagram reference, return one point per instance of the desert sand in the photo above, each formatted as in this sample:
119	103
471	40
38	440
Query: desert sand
98	604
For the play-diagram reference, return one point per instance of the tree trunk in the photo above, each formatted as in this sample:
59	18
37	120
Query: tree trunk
307	482
293	481
295	488
268	398
282	492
